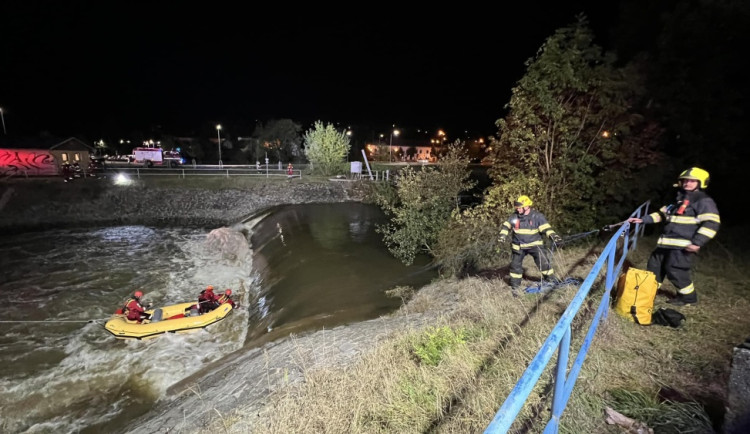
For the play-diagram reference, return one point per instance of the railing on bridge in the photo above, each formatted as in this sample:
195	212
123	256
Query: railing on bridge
559	338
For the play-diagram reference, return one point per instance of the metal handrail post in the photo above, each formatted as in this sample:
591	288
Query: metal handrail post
558	400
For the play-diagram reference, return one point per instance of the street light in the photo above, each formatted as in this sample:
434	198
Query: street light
3	118
390	145
218	134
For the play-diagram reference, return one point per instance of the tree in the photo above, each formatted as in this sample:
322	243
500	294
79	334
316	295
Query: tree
421	202
326	148
411	152
699	87
193	149
574	140
280	139
571	120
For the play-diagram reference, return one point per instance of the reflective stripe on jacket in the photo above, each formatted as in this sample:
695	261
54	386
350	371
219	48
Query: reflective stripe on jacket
223	298
693	219
527	229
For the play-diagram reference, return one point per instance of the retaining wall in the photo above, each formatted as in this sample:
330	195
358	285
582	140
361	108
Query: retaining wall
37	205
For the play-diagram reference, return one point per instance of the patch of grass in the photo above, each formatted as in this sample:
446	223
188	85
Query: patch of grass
405	293
435	342
663	416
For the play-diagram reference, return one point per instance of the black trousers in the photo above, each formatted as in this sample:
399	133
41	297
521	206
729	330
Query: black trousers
516	264
674	264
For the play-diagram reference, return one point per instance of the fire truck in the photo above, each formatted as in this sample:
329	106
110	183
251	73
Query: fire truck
151	157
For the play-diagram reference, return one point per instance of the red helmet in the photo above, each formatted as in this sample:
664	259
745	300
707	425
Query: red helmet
228	292
209	288
138	294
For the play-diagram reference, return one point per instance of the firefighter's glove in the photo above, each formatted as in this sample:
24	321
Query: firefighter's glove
557	239
502	239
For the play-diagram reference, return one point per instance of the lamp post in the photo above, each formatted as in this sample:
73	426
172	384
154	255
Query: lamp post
218	134
3	118
390	145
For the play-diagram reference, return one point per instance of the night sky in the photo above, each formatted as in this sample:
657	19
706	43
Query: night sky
103	69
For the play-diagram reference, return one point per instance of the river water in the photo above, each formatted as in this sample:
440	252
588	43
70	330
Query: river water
309	267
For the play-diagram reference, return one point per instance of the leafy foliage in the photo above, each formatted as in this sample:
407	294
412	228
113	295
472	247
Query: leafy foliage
421	202
280	140
432	345
193	149
470	242
571	123
326	148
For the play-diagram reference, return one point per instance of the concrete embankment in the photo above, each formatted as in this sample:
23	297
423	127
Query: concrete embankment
35	205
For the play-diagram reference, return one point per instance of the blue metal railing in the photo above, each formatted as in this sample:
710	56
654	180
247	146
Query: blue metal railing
559	338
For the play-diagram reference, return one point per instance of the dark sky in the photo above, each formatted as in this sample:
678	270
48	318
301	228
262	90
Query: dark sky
106	68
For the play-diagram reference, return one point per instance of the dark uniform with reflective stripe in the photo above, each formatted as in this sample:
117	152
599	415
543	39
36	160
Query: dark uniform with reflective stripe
527	239
694	219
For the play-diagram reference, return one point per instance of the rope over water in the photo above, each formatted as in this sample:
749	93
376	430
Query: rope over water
51	321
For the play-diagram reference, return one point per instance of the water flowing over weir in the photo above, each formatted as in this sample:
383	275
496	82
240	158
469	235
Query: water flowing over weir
306	267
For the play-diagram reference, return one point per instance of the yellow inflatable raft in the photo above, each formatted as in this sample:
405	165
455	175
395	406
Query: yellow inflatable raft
167	319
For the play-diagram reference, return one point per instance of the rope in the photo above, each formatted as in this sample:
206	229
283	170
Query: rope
548	286
55	321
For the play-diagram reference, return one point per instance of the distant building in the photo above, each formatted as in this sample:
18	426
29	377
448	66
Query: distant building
41	156
405	150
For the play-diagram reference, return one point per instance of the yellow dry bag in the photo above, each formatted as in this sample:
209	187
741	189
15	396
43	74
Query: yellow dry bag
636	290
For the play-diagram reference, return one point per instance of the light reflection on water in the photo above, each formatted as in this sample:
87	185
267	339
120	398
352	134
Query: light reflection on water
317	266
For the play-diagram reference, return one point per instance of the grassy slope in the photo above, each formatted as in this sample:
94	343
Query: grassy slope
454	376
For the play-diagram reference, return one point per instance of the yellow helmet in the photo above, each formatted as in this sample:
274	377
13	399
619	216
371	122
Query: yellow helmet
523	201
698	174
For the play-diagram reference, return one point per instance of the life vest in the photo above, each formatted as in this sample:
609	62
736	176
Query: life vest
225	299
124	310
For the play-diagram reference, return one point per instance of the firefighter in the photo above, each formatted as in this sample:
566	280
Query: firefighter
528	225
226	297
134	309
67	172
207	300
690	223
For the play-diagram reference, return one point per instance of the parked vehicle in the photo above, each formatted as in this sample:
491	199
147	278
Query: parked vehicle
150	157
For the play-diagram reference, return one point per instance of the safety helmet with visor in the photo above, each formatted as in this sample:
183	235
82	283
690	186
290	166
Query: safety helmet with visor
698	174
